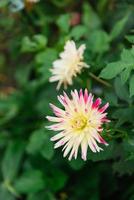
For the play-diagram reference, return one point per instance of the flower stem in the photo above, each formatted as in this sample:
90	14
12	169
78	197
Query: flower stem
100	80
10	188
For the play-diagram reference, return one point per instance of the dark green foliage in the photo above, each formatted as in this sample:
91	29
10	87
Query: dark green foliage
31	38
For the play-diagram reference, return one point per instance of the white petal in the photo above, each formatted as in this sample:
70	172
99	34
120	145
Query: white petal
81	50
54	119
69	64
84	146
92	147
95	145
59	143
57	137
71	154
95	135
68	148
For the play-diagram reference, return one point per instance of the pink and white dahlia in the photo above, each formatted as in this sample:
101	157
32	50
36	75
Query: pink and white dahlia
69	65
79	123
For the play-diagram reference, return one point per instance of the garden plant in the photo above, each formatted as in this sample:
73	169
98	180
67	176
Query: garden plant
66	100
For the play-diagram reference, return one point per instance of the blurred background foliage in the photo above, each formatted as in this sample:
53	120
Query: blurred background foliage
31	37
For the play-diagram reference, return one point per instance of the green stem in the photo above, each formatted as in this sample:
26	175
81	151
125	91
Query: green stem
100	80
10	188
122	133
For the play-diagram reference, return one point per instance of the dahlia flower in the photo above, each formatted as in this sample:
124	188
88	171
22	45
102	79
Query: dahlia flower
69	64
78	124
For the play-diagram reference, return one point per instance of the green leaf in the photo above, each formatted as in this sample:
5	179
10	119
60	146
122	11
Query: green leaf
123	115
5	194
127	55
125	75
62	4
130	38
22	75
4	3
36	43
131	86
121	90
101	7
30	182
9	108
118	27
49	98
47	150
124	167
12	158
76	164
36	141
111	98
112	70
44	62
98	41
103	155
90	18
40	143
41	196
128	145
46	57
78	31
64	22
57	179
124	66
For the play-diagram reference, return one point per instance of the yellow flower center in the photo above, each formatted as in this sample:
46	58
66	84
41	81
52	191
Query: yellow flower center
79	123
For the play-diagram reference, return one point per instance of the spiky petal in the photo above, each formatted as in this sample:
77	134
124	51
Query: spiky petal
79	123
69	65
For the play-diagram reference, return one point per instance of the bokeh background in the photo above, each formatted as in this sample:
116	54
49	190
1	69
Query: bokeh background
31	37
